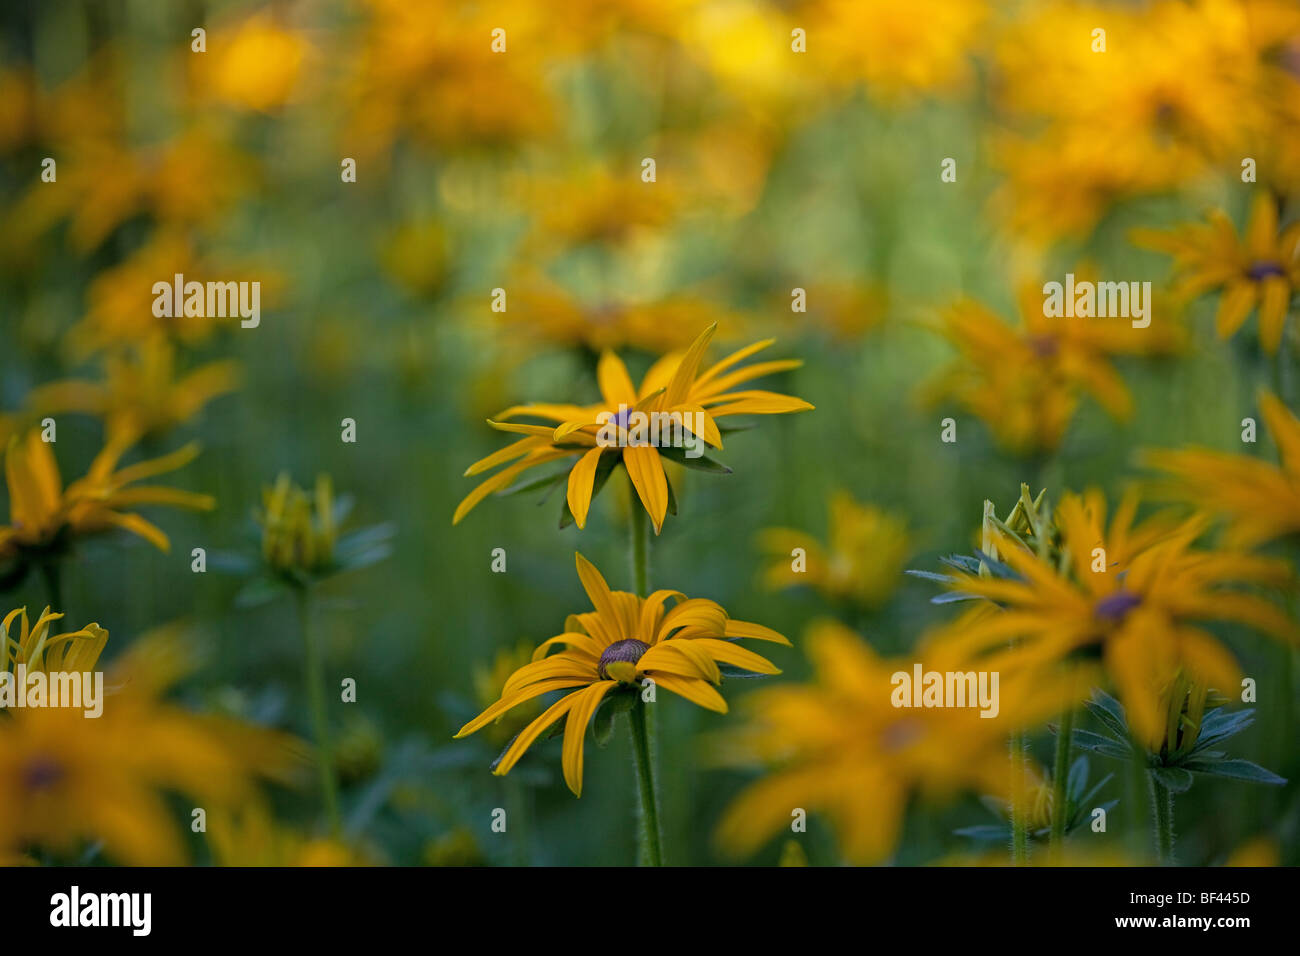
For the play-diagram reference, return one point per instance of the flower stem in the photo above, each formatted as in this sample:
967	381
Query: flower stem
1162	809
1019	825
640	547
315	680
1060	777
649	836
53	585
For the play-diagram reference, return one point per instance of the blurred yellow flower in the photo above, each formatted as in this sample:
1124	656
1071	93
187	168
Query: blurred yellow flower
1259	269
624	640
1025	381
1159	98
839	746
255	64
299	530
1134	593
861	563
1260	500
249	835
141	394
41	509
66	779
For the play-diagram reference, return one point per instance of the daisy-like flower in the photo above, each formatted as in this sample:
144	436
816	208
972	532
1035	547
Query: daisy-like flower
1259	269
675	641
1260	500
861	562
674	387
41	510
65	780
840	746
1025	381
38	649
1134	593
141	394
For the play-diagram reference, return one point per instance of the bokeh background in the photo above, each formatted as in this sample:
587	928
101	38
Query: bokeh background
522	170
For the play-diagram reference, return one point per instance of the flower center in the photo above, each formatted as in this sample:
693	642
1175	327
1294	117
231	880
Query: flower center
1264	268
618	661
41	773
1115	607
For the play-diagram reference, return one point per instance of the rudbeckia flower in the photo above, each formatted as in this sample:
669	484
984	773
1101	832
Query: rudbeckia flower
1260	269
141	394
41	509
674	388
1135	594
861	562
1025	380
1261	500
839	746
677	642
67	781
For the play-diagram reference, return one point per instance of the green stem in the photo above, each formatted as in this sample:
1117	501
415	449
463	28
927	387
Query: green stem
649	836
1060	775
315	679
1019	825
53	585
640	547
1162	809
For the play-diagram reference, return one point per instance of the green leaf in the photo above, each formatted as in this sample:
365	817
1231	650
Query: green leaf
1077	779
602	728
702	463
1235	770
1087	740
986	832
534	484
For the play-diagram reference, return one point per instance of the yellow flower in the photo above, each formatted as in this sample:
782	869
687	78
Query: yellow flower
624	640
1025	381
1259	269
895	51
254	65
1134	593
862	563
489	683
66	779
141	393
41	509
298	530
39	650
249	835
1260	500
839	746
1089	128
673	386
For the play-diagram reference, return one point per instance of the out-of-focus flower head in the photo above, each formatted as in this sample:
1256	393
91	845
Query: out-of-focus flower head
1260	269
1025	381
861	563
67	780
840	746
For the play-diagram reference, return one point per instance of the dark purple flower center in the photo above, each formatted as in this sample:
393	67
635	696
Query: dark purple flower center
41	773
1264	268
1044	346
627	651
1115	607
